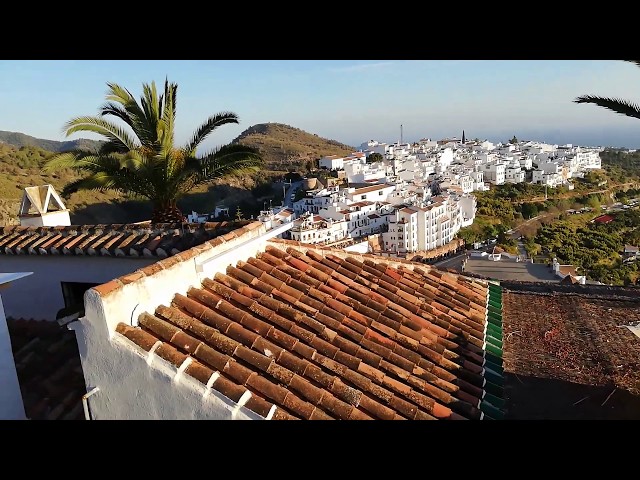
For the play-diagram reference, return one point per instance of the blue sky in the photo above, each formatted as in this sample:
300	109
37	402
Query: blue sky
346	100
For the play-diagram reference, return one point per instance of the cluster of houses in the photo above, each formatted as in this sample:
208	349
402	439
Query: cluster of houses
417	196
470	166
406	216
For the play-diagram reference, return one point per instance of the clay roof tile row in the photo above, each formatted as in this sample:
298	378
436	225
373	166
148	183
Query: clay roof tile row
119	240
319	334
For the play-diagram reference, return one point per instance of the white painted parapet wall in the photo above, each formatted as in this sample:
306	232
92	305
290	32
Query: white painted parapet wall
133	383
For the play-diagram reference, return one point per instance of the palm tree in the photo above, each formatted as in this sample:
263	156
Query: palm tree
623	107
140	157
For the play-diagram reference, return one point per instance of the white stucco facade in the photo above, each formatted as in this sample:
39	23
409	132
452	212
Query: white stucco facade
332	162
135	384
49	219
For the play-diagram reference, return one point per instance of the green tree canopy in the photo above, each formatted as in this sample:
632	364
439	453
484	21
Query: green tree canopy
374	157
140	157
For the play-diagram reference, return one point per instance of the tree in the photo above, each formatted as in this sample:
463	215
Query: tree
140	157
310	165
513	140
623	107
529	210
374	157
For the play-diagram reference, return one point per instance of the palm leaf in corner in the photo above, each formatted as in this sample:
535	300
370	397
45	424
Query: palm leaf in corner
617	105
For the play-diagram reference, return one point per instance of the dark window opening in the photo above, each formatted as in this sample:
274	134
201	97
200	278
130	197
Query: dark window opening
73	294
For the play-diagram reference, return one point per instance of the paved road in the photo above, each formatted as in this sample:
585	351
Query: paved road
510	270
289	188
288	203
454	263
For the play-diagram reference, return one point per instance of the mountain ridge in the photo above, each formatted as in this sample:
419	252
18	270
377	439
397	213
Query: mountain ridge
19	139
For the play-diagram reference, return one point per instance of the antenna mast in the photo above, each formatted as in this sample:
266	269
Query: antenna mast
401	134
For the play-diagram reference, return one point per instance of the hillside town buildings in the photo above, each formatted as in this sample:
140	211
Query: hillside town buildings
419	196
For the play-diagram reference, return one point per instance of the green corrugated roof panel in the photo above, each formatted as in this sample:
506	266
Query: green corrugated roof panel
493	389
494	350
496	342
491	411
493	402
494	330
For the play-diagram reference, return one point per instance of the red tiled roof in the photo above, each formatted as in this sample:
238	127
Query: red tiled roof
364	203
569	280
49	369
372	188
568	270
322	334
120	240
604	219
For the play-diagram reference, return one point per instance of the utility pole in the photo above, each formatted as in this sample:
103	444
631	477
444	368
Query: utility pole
401	134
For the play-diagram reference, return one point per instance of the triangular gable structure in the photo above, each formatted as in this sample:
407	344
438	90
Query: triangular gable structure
40	200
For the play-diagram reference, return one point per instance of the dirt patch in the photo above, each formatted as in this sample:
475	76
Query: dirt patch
560	349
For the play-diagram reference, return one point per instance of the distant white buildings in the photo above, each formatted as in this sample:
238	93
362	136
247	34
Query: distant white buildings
419	196
494	172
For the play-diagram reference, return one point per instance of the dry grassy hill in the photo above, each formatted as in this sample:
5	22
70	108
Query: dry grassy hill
288	148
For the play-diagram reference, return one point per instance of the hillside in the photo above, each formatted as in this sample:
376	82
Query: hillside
18	139
284	147
22	167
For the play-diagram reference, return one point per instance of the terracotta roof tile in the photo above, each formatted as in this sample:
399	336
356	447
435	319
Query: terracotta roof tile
128	240
342	336
49	369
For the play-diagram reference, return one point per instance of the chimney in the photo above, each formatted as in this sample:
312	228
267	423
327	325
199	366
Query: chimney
42	207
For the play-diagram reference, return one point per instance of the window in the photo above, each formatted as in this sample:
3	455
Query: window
380	192
73	294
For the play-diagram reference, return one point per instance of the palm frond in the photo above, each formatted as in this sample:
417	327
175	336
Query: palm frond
136	115
111	132
209	126
623	107
111	108
68	159
101	181
144	161
231	159
637	62
119	94
168	118
82	160
150	106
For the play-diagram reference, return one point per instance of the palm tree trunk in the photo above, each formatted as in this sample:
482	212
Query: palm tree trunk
166	212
